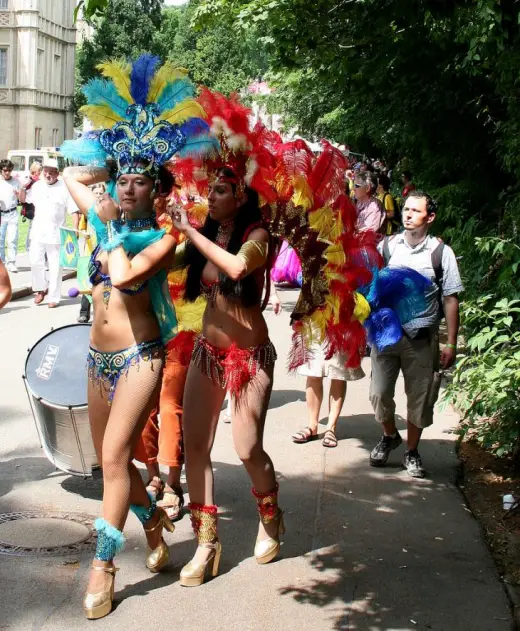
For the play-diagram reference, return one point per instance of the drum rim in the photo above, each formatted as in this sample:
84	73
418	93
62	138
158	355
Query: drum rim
54	406
25	378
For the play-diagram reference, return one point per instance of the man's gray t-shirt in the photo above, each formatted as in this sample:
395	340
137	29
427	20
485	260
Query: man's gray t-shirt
419	258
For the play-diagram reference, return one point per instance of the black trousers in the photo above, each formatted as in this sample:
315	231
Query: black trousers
85	307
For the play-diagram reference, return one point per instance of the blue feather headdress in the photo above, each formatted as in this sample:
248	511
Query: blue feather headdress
143	114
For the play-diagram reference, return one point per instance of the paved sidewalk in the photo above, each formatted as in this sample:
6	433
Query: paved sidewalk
21	280
365	549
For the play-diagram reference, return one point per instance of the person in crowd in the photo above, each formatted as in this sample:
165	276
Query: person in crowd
417	353
408	185
51	201
35	172
393	223
5	286
11	193
316	370
371	214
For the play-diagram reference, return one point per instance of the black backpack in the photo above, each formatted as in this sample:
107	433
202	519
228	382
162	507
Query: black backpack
436	264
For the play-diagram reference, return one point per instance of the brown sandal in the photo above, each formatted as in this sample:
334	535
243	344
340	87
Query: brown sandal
155	488
305	435
329	439
172	502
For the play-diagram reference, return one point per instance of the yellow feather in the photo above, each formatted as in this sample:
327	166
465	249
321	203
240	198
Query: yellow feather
181	112
361	308
321	220
335	255
302	195
166	75
101	116
190	314
119	72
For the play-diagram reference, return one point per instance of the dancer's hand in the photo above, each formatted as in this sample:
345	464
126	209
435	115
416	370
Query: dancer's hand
107	209
179	218
276	304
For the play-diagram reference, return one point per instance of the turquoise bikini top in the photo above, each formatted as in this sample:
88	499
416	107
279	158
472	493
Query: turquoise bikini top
136	242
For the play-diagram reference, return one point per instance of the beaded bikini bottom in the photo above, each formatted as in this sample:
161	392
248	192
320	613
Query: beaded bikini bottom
232	368
105	369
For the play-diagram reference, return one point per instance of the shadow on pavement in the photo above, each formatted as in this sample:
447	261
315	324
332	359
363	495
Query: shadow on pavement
371	549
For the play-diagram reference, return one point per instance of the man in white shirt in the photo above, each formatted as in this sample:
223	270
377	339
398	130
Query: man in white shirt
50	197
417	353
10	194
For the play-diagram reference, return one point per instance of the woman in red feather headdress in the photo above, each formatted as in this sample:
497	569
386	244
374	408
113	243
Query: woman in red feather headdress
228	262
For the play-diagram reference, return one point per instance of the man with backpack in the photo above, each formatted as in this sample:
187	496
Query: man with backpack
417	353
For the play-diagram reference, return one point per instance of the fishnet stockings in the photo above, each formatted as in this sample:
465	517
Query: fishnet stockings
115	432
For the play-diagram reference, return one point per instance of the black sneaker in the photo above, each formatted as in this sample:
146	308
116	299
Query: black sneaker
413	464
379	455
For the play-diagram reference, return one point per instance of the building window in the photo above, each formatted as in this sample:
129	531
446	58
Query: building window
3	66
40	68
55	133
4	5
37	137
57	73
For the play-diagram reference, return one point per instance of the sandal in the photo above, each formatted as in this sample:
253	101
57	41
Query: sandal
155	487
172	502
305	435
329	439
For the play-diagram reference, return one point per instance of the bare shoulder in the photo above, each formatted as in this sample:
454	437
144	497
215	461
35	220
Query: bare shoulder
258	234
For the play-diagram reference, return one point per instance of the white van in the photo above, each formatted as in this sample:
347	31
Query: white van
23	158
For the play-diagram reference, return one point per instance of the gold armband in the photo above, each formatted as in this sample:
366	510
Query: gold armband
254	255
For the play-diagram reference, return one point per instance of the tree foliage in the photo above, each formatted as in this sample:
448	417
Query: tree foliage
214	56
435	83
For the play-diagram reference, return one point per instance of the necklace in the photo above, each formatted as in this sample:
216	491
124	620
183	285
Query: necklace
138	224
224	234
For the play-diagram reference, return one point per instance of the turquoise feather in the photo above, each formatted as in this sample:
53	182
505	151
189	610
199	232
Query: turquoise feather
199	146
84	151
101	92
175	93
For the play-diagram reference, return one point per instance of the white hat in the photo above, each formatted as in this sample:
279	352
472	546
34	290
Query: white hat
51	163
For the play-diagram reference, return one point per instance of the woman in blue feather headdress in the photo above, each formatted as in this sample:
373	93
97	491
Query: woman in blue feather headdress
143	115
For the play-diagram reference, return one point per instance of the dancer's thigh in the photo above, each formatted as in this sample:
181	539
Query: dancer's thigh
249	410
202	402
98	413
134	398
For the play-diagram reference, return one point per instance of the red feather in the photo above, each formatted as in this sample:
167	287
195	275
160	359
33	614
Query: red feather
327	179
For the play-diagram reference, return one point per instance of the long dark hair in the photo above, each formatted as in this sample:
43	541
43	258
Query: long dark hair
246	289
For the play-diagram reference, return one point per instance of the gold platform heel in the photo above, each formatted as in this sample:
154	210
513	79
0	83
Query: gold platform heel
159	557
99	605
204	522
266	550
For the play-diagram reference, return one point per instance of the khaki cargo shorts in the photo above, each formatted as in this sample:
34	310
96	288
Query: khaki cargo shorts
419	361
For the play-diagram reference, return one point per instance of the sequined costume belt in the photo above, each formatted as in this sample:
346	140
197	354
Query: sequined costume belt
105	369
232	368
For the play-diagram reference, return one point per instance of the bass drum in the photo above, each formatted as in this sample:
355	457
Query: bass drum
56	382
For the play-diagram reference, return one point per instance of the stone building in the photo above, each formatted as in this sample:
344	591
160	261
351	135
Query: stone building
37	50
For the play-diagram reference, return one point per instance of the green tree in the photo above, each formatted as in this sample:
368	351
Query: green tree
214	55
128	28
